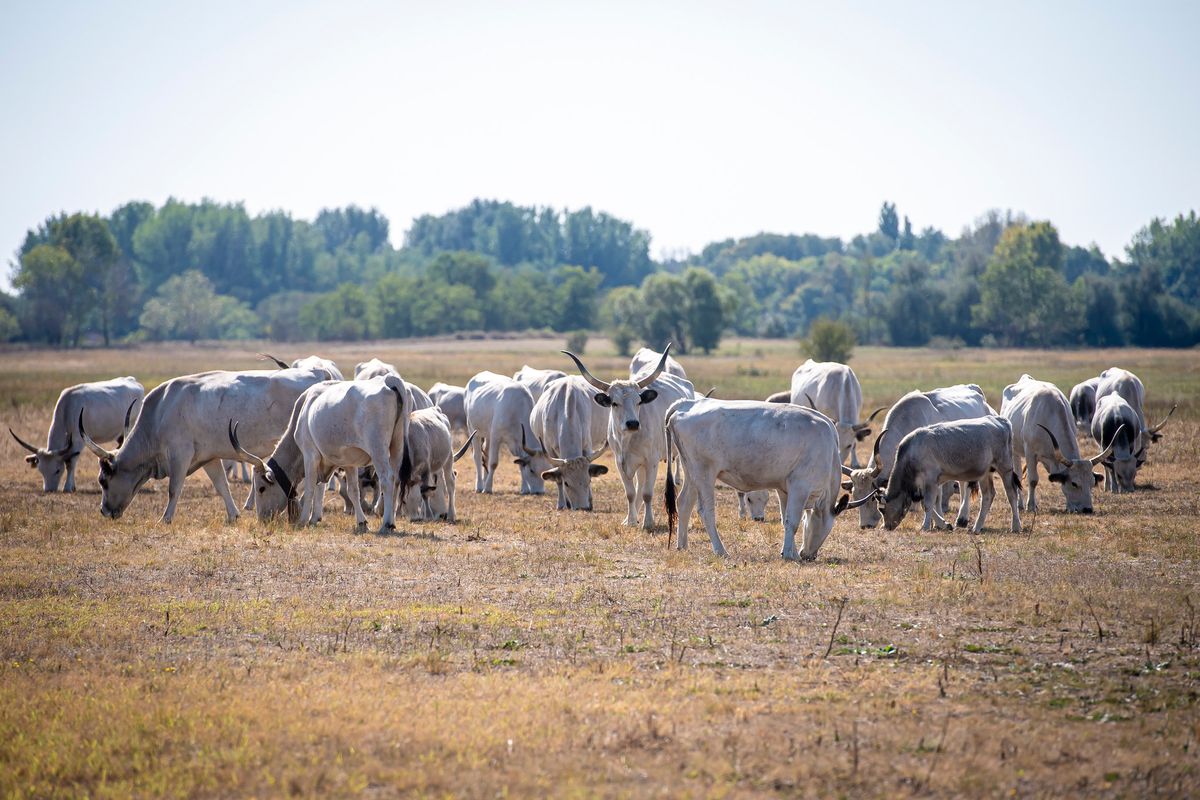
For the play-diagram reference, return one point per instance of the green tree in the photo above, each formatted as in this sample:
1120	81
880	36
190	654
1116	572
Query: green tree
89	241
185	307
575	298
1173	249
705	312
53	287
10	326
889	221
829	340
338	315
665	299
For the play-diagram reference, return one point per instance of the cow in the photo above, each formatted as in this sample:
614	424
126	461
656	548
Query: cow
914	410
365	370
112	405
537	379
833	389
333	424
753	504
1083	403
181	429
637	408
1115	428
574	431
1041	418
966	450
498	409
308	362
645	359
753	445
1124	383
452	402
431	451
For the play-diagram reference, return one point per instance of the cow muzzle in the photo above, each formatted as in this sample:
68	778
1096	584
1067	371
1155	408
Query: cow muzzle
632	425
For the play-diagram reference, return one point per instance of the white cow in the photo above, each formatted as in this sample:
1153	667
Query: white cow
112	406
1083	403
574	431
182	428
452	401
432	483
646	359
1115	428
833	389
537	379
753	445
498	410
1041	419
637	409
914	410
753	504
308	362
1129	386
968	451
347	424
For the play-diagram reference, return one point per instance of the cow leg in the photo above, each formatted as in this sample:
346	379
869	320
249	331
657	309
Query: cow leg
308	501
249	504
929	498
686	504
177	468
562	496
646	477
1010	490
351	487
477	454
220	482
792	511
450	486
964	506
493	461
69	485
1031	477
987	493
389	489
628	475
318	500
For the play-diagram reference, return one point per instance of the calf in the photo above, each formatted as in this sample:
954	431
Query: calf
1115	427
574	431
965	451
432	455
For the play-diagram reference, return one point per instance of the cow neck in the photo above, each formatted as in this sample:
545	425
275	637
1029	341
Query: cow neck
281	478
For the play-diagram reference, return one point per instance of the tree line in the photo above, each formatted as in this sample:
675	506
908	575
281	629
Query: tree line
210	270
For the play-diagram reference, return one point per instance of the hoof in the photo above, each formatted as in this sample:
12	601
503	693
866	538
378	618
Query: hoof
360	527
960	523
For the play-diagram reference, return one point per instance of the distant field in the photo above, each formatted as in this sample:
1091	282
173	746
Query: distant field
526	651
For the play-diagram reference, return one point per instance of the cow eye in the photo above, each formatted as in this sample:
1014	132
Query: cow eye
262	489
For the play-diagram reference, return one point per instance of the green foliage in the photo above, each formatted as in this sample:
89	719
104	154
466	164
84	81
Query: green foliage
50	280
705	314
338	315
1173	249
186	307
889	221
10	326
829	340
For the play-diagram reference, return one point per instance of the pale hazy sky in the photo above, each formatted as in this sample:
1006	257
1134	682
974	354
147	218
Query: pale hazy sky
695	120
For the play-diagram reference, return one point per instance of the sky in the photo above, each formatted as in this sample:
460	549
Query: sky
697	121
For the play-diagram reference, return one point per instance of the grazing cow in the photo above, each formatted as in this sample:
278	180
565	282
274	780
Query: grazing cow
182	429
1041	418
1124	383
636	410
646	359
754	446
111	406
498	409
347	424
833	389
966	450
308	362
574	431
431	451
452	402
1115	428
914	410
537	379
753	504
1083	403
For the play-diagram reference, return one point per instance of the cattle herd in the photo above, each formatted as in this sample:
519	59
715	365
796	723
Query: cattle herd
304	428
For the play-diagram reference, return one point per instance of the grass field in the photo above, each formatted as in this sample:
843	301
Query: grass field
526	651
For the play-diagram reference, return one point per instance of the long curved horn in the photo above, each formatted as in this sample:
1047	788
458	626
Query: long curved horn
246	454
525	447
653	376
1106	452
875	465
95	448
22	442
1159	426
268	357
847	471
709	393
1058	453
466	444
599	452
811	403
875	414
128	414
861	500
587	376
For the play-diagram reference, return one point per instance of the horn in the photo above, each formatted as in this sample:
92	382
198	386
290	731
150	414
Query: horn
1159	426
525	447
266	357
466	444
1106	452
558	462
874	414
653	376
22	442
847	471
589	377
128	414
601	452
863	499
710	391
875	465
246	454
1058	453
811	403
95	448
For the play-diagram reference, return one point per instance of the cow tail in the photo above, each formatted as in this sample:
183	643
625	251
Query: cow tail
406	466
672	510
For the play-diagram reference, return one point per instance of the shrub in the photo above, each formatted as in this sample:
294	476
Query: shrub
829	340
622	339
577	342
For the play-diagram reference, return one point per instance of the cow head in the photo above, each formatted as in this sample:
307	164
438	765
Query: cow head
754	504
1152	434
862	482
50	463
575	475
1076	476
533	462
623	397
274	489
119	481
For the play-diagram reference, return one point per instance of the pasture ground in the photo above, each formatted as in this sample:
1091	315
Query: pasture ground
525	651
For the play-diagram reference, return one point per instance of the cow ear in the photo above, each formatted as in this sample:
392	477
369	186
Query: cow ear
1058	477
648	395
597	469
1098	477
521	461
847	485
602	399
552	475
862	434
31	460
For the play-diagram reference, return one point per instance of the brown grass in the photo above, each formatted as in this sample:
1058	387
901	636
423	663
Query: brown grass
530	652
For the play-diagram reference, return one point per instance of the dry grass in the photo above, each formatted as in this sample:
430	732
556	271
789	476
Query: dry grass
529	652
